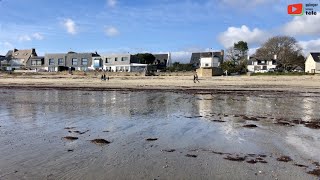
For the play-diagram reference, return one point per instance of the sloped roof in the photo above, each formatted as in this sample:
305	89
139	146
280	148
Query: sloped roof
37	57
297	68
315	56
161	56
23	54
9	54
195	57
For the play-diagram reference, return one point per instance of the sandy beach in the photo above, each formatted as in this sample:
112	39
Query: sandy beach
220	83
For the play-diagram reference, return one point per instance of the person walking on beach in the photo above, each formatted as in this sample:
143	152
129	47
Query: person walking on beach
195	78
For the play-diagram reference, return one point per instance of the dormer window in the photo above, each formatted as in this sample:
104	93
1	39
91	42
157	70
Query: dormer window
16	54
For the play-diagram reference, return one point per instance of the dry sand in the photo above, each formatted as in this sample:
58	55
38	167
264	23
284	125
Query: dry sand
235	83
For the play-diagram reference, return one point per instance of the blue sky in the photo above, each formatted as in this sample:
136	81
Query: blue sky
177	26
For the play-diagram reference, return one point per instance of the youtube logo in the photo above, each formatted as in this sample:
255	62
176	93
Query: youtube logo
295	9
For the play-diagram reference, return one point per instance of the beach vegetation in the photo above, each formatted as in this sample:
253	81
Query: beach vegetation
177	66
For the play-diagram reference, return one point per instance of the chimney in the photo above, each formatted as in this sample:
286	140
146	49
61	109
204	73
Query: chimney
15	50
222	55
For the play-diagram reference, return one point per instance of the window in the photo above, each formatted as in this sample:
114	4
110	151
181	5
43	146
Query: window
108	60
60	61
33	63
116	59
36	62
124	59
206	65
51	61
264	68
74	61
84	61
96	63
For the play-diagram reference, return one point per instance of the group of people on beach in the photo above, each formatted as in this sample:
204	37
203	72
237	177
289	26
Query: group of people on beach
104	78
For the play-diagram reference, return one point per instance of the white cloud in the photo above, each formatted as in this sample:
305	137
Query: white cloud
181	56
303	25
310	46
112	31
37	36
112	3
24	38
4	47
70	26
234	35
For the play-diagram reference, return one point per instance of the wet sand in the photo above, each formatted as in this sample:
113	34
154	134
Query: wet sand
72	134
231	83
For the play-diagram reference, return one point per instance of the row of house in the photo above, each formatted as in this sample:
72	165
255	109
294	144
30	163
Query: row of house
312	64
53	62
212	60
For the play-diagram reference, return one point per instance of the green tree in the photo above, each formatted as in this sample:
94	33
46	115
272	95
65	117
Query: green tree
176	66
145	58
242	48
228	66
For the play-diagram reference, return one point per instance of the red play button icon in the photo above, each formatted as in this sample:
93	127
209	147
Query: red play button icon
295	9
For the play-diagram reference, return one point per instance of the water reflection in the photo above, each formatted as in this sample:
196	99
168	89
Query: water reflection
171	115
308	107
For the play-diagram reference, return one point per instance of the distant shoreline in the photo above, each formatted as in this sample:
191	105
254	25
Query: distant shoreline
230	84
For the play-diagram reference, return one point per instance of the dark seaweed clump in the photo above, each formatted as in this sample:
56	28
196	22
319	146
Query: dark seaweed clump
100	141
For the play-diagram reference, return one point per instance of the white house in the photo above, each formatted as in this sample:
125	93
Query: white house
209	62
261	66
122	63
312	64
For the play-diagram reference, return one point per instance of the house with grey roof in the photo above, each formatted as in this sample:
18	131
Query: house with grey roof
73	61
216	57
312	64
122	63
162	61
17	59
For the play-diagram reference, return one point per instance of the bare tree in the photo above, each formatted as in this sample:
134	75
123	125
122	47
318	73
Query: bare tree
285	48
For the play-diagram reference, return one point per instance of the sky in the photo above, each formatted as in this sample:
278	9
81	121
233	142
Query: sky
156	26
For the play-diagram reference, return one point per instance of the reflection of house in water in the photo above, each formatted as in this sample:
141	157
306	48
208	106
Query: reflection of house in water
308	108
206	105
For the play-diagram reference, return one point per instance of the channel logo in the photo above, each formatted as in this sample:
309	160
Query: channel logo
295	9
